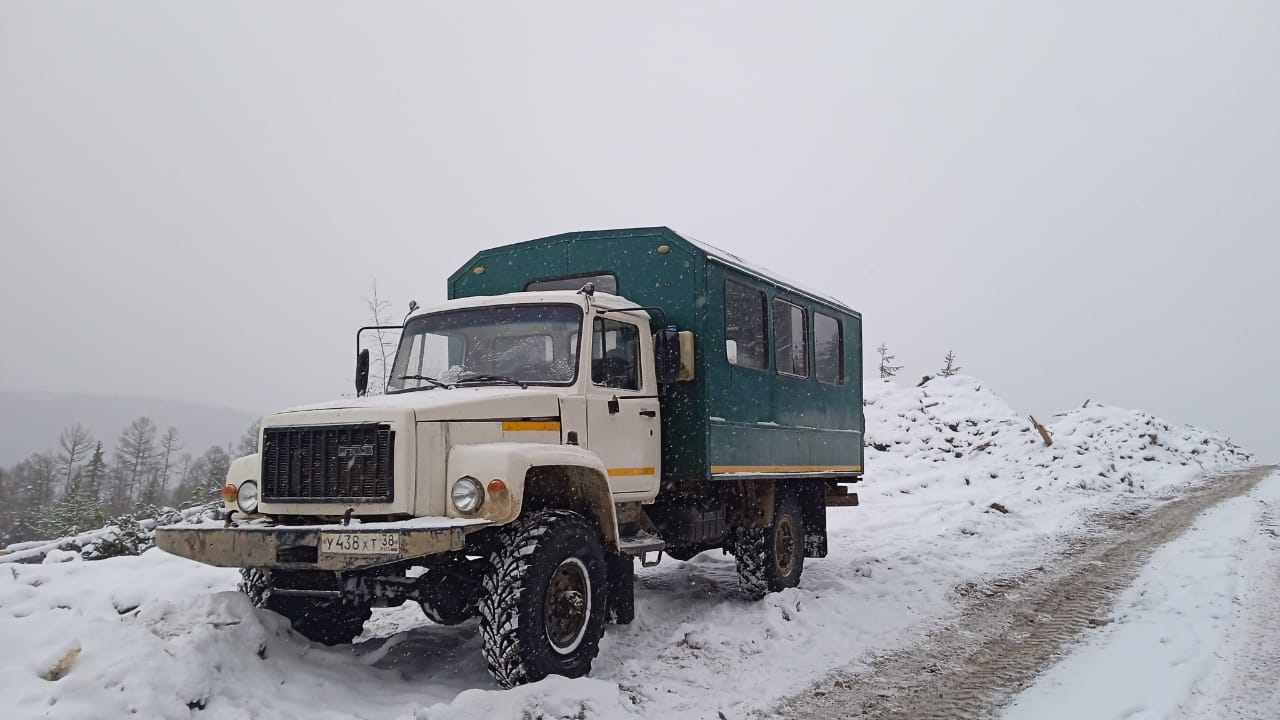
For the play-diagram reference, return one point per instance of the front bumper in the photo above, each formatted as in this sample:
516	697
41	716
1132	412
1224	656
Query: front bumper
299	547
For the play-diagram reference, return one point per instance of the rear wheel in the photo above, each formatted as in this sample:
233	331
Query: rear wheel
545	598
771	558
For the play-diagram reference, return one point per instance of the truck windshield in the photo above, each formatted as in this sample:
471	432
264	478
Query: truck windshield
533	344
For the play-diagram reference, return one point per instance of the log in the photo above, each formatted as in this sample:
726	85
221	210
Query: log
1044	432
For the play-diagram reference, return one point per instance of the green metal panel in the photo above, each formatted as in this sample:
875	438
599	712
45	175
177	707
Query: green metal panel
762	418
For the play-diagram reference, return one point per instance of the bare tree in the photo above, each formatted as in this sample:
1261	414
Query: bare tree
205	476
248	444
158	483
134	456
184	476
31	487
949	367
384	349
887	368
74	444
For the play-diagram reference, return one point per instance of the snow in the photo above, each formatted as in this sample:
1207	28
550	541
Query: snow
1181	629
156	633
422	523
427	399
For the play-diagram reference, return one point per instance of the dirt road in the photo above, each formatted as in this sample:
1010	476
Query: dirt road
1011	628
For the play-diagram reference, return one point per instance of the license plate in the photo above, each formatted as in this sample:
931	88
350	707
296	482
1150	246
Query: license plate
360	543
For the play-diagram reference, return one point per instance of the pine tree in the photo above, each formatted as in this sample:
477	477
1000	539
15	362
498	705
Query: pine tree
94	473
74	513
887	368
949	367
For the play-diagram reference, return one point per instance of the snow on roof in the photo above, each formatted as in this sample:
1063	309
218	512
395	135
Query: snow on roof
761	272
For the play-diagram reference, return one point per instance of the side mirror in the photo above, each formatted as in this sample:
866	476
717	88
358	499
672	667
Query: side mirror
667	354
362	372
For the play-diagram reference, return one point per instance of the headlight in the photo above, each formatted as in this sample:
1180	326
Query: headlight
467	494
247	497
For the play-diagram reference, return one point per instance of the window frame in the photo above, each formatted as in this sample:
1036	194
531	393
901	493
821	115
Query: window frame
575	352
765	326
585	277
804	330
638	358
841	378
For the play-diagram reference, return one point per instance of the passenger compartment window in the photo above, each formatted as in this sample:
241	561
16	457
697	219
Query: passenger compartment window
746	312
828	347
791	335
615	354
604	282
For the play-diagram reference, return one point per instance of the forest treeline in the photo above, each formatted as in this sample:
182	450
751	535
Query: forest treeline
83	482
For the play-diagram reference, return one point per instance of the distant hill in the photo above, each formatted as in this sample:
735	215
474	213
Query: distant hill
32	421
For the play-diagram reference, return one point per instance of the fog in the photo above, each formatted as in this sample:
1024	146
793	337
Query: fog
1079	199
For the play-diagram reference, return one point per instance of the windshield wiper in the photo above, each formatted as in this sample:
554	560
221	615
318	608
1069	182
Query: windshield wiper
485	377
434	382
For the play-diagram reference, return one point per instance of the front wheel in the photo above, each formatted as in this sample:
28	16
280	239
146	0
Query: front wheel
543	607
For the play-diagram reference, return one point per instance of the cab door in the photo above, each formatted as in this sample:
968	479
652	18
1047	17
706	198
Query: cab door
623	422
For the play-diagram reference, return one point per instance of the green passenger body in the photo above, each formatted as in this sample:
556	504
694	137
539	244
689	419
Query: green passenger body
730	420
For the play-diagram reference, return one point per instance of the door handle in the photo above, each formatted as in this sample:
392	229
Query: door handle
649	413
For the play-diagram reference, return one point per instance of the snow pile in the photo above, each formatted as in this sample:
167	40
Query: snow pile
159	636
971	435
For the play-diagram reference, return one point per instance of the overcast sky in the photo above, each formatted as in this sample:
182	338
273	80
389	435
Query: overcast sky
1081	199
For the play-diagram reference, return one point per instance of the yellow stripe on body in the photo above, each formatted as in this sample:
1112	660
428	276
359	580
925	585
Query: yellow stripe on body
518	425
617	472
784	468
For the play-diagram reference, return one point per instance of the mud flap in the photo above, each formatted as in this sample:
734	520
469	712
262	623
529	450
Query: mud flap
813	508
622	588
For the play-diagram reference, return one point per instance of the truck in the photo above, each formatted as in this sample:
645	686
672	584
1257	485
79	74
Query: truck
580	403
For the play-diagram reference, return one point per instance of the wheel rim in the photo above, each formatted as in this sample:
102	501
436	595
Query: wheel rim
567	606
784	545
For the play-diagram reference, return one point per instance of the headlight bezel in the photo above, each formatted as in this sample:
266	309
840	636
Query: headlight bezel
249	505
470	491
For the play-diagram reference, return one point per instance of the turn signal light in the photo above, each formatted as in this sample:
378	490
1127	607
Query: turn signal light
497	486
229	493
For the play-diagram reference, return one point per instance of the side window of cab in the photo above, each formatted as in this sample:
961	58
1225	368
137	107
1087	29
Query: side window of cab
615	354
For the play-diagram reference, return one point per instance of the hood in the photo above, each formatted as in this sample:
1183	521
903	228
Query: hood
459	403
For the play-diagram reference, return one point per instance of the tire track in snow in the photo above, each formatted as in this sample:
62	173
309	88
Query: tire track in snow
1254	651
1009	629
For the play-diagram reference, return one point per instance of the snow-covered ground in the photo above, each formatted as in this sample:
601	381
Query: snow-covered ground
1196	636
159	636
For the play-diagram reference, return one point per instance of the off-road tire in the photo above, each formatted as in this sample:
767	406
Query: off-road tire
256	583
329	622
771	558
533	551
